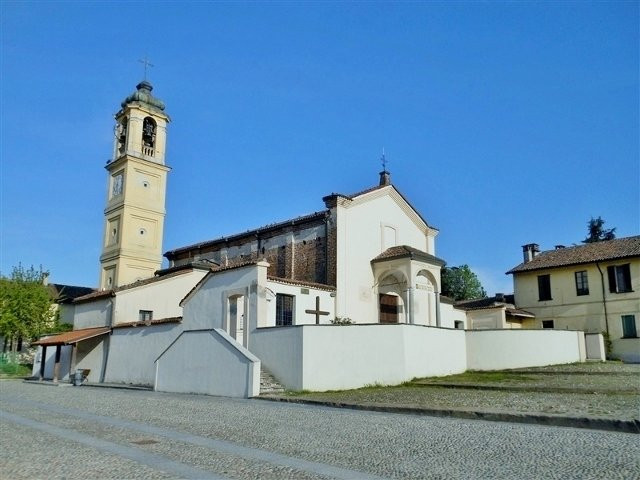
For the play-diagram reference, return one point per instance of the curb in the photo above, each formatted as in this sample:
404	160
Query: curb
49	383
612	425
523	388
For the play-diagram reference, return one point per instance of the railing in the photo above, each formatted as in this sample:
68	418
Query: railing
148	151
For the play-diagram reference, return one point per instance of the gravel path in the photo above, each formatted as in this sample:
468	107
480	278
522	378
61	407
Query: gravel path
616	387
79	432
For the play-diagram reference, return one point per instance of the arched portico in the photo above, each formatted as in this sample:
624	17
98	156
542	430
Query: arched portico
413	276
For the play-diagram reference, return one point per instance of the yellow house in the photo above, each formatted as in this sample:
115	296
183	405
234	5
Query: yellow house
593	287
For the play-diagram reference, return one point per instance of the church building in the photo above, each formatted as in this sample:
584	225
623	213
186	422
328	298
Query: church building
340	298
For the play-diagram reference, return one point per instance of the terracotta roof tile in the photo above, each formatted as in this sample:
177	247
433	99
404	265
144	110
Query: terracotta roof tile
300	283
93	296
591	252
67	293
407	251
159	321
74	336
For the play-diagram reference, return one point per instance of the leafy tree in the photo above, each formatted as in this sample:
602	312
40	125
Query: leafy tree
25	305
597	233
460	283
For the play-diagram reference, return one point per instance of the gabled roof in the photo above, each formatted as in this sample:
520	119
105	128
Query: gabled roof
403	251
67	293
486	302
160	276
239	264
316	216
328	199
617	249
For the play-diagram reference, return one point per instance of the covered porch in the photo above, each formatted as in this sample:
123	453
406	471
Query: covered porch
66	351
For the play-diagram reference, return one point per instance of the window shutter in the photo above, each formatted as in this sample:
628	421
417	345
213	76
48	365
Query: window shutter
626	275
611	271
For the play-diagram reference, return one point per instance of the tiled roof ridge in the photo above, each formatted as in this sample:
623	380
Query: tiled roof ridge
617	248
141	323
270	226
405	250
301	283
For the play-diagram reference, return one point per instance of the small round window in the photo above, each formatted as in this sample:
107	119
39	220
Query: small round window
114	232
146	184
142	231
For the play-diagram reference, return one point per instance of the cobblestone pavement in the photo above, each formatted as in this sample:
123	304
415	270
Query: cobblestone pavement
81	432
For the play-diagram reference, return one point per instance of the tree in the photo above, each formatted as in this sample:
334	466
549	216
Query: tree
597	233
25	305
460	283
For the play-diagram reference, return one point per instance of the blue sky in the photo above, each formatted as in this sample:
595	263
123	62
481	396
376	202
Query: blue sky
503	123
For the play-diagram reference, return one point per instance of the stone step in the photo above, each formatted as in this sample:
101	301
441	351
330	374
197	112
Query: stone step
268	383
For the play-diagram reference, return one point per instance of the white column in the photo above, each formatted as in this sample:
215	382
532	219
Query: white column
438	309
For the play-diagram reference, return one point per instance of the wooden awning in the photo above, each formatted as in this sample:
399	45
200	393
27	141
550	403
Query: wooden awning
74	336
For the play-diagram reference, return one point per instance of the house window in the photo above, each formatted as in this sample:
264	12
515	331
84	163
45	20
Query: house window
582	283
145	315
547	324
284	309
458	324
544	287
629	326
619	278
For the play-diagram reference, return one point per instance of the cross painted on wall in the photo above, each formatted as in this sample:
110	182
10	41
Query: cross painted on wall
317	312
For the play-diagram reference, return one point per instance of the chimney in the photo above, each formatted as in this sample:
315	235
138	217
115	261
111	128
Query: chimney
385	178
530	251
499	297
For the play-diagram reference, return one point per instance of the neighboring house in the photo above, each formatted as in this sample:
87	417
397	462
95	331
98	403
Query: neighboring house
593	287
498	311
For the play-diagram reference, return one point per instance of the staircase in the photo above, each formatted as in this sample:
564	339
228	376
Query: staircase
268	384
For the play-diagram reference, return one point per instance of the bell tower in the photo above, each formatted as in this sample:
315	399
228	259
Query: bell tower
136	187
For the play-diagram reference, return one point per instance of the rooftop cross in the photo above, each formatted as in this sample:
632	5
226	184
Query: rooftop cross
383	159
147	64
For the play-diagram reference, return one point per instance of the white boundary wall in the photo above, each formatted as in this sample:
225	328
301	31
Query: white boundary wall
504	349
325	357
209	362
595	346
133	351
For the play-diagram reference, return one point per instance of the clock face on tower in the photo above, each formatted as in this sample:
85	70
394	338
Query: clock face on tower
117	185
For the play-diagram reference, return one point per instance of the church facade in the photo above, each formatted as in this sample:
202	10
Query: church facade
340	298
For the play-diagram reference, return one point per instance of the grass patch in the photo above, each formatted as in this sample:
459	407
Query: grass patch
8	369
479	377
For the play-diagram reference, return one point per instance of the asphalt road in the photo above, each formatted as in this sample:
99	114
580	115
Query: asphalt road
85	432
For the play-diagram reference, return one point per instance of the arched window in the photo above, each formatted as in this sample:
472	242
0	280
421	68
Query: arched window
148	136
121	135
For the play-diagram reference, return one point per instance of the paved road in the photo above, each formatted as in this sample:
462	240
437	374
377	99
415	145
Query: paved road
84	432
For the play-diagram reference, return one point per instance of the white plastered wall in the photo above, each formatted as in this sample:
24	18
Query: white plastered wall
96	313
361	236
305	299
207	306
220	367
503	349
133	351
162	297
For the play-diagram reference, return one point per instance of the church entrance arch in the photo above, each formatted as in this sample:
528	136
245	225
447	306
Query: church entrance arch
391	301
